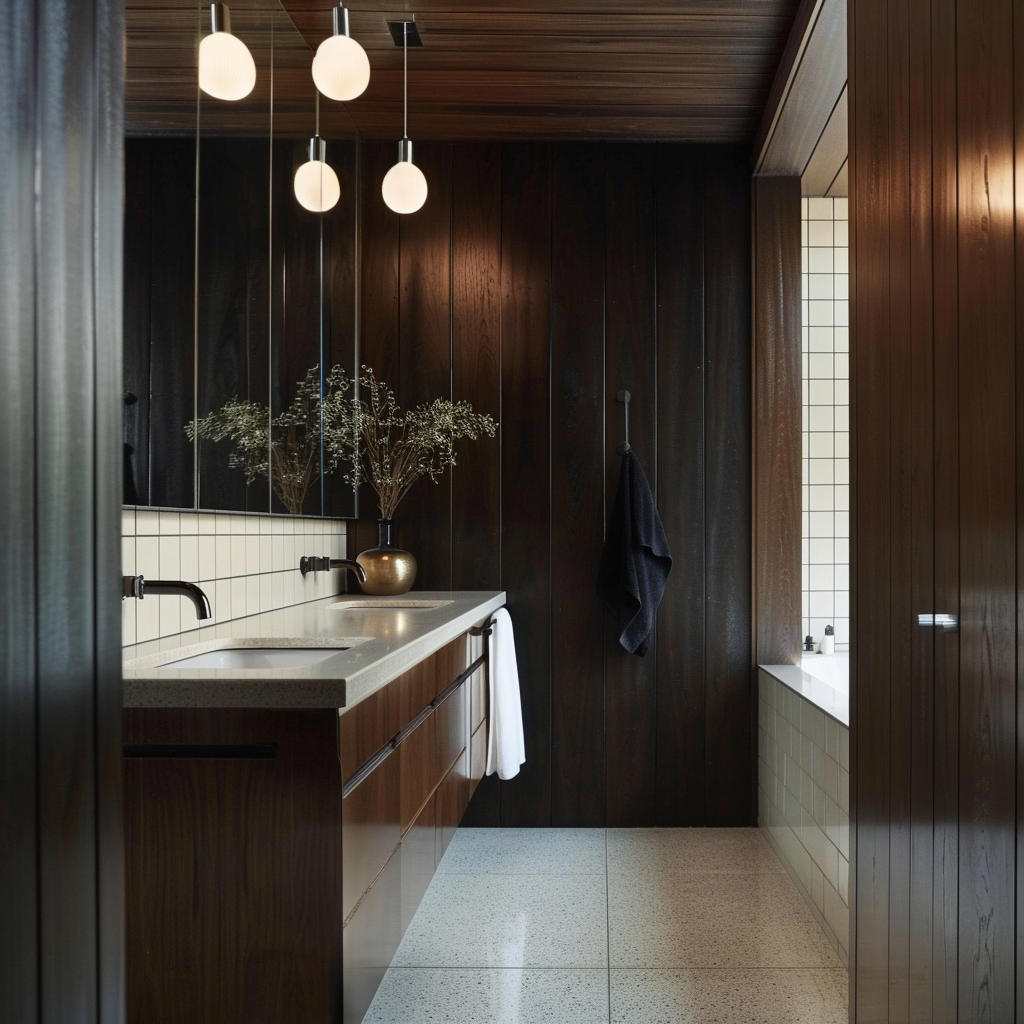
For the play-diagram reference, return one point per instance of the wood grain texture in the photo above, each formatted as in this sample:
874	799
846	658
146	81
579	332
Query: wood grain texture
525	462
425	370
987	510
362	731
418	860
631	348
476	361
731	716
681	496
777	420
234	869
599	255
577	492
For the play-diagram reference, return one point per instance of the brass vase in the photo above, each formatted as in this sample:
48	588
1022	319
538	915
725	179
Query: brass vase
389	570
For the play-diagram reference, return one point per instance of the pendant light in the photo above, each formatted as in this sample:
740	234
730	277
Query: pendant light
404	188
341	69
226	68
316	185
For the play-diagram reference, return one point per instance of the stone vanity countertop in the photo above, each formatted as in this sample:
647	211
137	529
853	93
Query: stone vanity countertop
382	641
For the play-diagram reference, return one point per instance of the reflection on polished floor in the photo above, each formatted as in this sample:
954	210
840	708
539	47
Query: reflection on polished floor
612	926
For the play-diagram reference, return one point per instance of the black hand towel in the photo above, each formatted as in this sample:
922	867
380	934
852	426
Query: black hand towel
636	560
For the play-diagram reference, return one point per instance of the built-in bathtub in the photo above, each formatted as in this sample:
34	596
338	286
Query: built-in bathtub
804	782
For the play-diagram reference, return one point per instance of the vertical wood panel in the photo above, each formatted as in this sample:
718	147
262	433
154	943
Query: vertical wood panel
19	794
476	362
777	424
987	509
731	714
870	383
425	373
920	519
577	484
681	453
902	386
631	350
525	462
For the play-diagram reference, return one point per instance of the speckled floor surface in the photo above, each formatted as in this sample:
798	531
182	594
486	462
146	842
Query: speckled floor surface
612	926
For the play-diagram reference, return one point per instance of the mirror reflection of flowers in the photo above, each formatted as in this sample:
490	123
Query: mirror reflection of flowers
288	443
363	429
392	449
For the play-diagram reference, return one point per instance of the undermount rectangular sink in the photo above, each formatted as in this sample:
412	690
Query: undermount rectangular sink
258	657
388	602
251	653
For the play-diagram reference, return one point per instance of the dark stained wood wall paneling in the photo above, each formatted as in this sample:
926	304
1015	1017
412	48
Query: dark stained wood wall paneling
631	357
680	745
777	420
61	173
556	276
938	398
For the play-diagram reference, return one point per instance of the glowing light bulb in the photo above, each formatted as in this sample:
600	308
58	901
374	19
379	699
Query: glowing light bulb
404	187
341	69
226	68
316	185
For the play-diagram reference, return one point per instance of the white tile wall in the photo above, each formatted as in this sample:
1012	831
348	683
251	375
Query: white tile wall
246	564
826	417
803	798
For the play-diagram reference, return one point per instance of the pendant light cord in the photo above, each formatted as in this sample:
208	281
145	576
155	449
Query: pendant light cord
318	112
405	79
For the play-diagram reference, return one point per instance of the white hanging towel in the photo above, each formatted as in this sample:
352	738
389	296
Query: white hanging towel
506	747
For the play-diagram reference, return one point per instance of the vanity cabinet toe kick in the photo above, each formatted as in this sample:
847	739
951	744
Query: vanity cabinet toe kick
263	883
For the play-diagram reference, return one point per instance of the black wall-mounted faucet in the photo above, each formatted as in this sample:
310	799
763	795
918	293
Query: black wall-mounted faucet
139	586
310	563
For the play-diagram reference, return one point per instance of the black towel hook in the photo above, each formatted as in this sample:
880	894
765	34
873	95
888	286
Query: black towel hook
624	397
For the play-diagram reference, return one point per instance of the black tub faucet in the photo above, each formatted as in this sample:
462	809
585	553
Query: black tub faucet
139	586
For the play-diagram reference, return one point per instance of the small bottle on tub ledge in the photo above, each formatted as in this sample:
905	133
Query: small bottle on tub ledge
828	642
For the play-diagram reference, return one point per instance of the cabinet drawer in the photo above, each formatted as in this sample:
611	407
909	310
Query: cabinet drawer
417	759
363	730
452	800
478	695
370	830
418	857
477	758
449	731
416	689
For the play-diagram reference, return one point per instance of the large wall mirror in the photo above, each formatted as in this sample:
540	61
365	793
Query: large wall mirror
237	300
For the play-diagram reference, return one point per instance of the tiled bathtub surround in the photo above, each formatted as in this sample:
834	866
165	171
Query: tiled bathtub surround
245	563
803	778
826	416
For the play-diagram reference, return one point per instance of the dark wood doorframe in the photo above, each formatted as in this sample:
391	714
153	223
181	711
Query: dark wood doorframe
60	379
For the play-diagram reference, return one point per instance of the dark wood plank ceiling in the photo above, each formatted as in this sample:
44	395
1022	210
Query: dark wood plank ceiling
654	69
509	69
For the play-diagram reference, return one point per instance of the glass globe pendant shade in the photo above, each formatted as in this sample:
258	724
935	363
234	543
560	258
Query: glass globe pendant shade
404	188
226	68
341	69
316	185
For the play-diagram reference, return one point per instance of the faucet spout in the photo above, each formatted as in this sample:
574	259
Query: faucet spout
138	586
348	563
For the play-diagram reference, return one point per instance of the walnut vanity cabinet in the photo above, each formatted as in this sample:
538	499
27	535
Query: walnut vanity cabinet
266	882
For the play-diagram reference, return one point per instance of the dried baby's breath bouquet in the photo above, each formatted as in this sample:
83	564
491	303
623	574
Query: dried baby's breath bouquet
390	448
285	446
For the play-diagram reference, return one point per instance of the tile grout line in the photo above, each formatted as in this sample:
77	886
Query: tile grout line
608	924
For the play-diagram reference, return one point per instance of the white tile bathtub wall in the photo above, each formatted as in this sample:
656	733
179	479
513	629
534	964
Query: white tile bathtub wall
245	563
803	796
826	407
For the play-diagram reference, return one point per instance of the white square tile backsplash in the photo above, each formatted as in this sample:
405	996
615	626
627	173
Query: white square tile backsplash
246	564
826	418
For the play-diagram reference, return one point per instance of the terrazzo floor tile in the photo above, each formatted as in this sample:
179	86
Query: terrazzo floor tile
694	850
526	851
509	921
467	996
729	997
678	919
